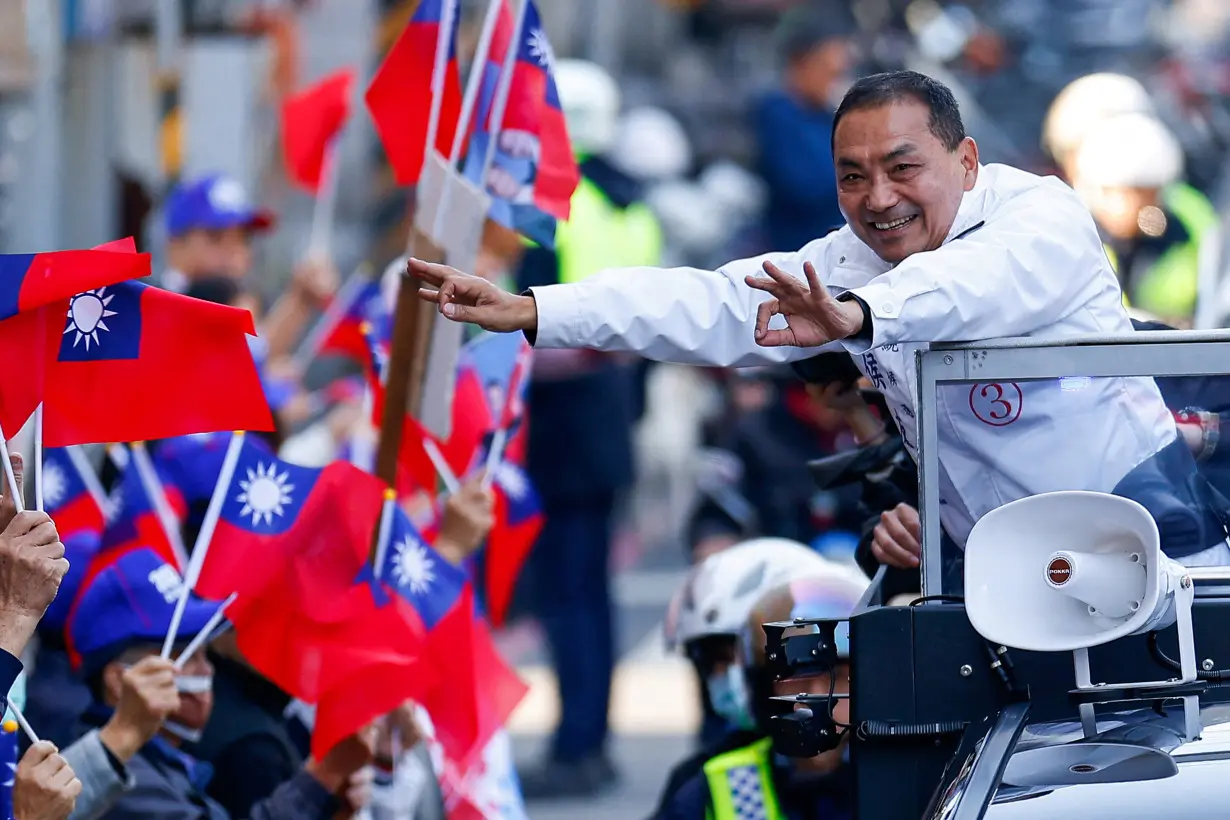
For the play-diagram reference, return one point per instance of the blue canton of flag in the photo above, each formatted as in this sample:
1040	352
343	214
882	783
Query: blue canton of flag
103	324
266	494
415	571
523	501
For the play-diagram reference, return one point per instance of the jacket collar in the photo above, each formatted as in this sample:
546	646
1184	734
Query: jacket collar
853	254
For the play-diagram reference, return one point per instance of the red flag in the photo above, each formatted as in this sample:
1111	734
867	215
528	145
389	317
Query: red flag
33	280
310	121
534	107
23	336
476	692
400	95
518	521
290	543
371	692
133	362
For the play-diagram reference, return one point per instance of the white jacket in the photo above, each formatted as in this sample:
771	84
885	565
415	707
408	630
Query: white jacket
1023	258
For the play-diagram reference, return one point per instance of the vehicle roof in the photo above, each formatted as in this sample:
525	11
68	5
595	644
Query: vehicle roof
1147	767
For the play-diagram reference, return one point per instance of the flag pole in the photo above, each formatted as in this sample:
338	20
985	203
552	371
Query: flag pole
38	458
400	385
473	86
88	477
204	536
385	531
158	496
206	632
500	104
325	205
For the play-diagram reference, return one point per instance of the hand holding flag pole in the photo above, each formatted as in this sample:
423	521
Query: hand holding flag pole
206	534
19	503
347	294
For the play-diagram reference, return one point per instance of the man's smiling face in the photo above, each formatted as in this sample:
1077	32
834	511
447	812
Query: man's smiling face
898	184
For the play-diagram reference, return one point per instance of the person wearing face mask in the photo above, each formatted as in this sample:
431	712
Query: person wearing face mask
792	125
704	621
758	773
120	623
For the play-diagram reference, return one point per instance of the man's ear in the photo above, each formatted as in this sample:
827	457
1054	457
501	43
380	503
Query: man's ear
112	683
968	151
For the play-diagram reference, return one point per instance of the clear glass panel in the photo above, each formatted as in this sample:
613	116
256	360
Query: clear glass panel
1155	441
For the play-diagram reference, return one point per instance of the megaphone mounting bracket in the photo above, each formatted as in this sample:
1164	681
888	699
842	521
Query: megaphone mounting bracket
1188	687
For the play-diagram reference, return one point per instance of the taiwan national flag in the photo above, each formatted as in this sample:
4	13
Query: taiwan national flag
534	172
192	465
133	363
289	543
518	520
400	95
132	519
366	310
438	594
502	362
72	494
33	280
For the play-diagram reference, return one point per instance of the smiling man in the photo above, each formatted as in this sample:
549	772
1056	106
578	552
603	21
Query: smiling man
937	247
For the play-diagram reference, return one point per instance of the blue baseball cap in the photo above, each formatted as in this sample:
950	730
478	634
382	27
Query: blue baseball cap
130	603
213	202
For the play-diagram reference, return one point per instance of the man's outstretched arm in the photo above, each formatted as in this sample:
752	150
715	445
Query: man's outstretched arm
682	315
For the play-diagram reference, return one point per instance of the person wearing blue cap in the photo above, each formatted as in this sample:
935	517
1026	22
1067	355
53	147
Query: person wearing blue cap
120	623
210	222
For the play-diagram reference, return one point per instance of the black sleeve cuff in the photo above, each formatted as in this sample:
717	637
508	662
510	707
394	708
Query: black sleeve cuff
10	668
531	334
865	334
116	766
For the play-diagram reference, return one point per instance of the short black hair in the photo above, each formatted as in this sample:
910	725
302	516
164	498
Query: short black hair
892	86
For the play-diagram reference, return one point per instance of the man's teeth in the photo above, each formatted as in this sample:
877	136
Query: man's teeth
896	223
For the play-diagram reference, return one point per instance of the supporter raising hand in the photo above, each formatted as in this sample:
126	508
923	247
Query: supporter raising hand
469	515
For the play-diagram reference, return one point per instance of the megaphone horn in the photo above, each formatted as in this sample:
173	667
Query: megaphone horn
1063	571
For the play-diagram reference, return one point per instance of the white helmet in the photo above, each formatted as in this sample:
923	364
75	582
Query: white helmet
1128	151
1084	103
651	145
719	593
591	102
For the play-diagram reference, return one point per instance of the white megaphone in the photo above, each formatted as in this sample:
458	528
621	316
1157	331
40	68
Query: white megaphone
1068	570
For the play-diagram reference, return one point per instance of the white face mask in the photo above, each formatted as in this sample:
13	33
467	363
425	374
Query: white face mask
728	694
182	732
194	684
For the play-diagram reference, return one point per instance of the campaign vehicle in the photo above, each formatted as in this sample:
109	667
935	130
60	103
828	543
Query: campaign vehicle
1070	666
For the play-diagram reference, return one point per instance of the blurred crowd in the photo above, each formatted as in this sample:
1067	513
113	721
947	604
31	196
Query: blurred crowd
798	488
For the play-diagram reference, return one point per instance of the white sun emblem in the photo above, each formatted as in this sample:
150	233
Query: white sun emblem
541	49
86	314
413	567
265	493
511	480
55	484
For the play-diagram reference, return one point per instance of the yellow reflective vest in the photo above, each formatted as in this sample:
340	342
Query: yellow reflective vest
1170	286
600	235
741	784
